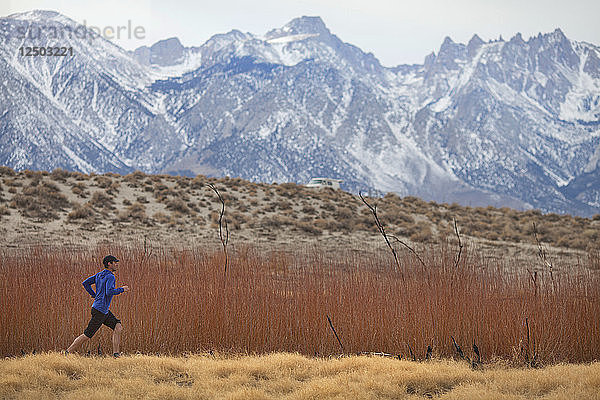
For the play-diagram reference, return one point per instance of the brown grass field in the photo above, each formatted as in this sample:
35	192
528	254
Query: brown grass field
285	376
274	300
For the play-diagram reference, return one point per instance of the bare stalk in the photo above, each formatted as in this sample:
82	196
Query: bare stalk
409	248
381	230
527	349
457	348
335	333
533	278
542	252
222	219
460	245
414	358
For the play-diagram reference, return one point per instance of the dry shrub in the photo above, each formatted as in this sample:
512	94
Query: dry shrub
81	212
40	200
178	205
103	181
344	213
4	210
229	198
177	221
235	220
283	204
34	175
162	192
7	171
198	182
113	189
274	221
161	217
241	206
79	176
327	224
134	179
13	182
154	179
182	182
136	212
308	209
79	189
60	175
235	183
289	190
102	199
308	227
423	234
327	206
193	206
392	199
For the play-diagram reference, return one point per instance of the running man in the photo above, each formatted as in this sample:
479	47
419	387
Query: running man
105	290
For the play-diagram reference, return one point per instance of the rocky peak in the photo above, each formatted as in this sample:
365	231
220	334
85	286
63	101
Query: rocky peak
517	39
474	45
449	53
164	52
306	25
429	60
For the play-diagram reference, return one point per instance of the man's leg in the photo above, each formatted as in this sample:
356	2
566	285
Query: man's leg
79	340
93	326
116	339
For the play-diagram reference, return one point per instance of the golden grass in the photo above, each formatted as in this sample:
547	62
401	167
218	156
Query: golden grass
284	376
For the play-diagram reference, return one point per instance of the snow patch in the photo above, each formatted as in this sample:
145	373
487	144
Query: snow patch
81	164
191	61
582	102
291	38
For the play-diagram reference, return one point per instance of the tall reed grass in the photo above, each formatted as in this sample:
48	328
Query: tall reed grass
278	300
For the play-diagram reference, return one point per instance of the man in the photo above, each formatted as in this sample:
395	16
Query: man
105	290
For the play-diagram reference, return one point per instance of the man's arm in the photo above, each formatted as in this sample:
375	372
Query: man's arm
87	284
110	287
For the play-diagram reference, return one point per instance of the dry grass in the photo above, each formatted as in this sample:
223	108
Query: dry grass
284	376
278	301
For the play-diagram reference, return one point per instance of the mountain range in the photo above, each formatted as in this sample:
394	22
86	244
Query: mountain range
506	123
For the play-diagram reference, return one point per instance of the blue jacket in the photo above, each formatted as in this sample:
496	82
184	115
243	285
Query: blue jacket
105	289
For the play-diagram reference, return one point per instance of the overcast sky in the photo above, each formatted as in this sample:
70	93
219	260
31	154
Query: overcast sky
396	32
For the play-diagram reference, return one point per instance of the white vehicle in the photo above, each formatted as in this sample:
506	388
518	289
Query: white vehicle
324	183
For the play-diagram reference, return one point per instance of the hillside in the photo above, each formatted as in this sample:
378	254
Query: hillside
72	208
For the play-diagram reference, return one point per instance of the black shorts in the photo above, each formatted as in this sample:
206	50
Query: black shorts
98	319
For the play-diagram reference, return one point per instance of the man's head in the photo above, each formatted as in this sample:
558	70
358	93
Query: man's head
110	262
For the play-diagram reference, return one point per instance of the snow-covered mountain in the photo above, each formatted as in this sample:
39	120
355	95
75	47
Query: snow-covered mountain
513	123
